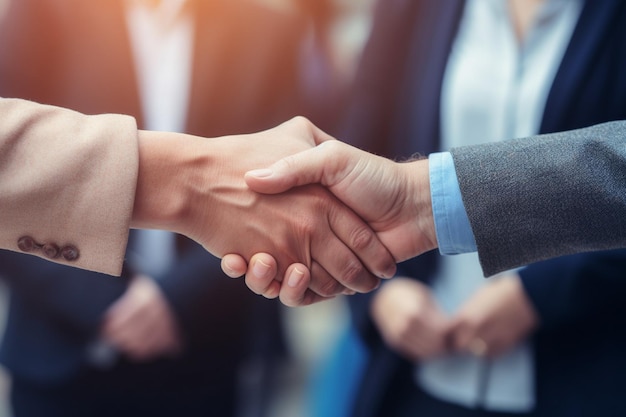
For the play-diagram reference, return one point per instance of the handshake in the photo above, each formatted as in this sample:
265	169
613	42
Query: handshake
304	216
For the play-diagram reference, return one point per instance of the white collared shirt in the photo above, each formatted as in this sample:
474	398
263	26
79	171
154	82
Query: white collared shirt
494	88
162	44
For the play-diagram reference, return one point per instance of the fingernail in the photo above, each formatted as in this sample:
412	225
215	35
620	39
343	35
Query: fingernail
260	269
261	173
295	277
390	271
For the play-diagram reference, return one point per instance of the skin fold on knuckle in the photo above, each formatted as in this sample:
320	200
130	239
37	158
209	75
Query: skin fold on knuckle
286	165
355	276
329	288
362	238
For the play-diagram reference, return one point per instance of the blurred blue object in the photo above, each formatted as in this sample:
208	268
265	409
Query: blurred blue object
335	381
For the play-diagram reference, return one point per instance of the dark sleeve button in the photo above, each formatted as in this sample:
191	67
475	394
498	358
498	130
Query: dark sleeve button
50	250
26	244
70	253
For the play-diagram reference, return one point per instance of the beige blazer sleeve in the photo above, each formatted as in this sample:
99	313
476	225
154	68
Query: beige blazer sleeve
67	184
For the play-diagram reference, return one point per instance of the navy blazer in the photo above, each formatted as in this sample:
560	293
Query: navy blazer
581	345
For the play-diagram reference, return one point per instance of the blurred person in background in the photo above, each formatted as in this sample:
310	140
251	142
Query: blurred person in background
544	340
171	336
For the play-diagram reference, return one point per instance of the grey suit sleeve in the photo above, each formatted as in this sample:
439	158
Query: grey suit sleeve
545	196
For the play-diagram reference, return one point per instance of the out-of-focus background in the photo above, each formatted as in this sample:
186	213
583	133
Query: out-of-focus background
312	332
4	408
5	380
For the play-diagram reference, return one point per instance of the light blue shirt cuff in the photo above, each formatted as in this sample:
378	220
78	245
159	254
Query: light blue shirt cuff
452	226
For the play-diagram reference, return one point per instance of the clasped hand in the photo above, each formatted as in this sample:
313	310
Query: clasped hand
393	198
317	242
490	322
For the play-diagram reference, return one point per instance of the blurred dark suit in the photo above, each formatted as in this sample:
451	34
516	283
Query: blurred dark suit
77	54
580	346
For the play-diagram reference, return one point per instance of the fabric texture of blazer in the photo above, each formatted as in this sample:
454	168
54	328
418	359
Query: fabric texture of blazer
564	193
56	182
580	349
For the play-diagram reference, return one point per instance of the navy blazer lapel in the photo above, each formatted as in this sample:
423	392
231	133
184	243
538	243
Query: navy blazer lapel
579	55
432	39
373	100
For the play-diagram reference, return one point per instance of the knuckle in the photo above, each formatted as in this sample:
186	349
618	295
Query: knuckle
362	238
289	163
301	121
330	288
352	276
307	222
330	147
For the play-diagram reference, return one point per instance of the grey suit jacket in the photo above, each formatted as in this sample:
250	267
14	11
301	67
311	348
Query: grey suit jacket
67	179
545	196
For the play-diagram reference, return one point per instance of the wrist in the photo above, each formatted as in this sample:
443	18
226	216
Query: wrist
162	194
419	201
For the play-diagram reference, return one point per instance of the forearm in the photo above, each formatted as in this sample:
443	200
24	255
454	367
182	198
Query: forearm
536	198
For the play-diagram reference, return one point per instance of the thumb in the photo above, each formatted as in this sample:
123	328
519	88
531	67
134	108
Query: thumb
315	165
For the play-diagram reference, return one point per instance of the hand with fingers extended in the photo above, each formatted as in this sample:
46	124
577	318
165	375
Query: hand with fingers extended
393	198
333	250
